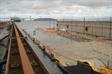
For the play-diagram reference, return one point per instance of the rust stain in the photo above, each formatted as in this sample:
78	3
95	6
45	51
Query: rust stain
25	61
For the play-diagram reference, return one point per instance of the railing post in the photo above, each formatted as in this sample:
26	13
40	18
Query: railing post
84	26
110	28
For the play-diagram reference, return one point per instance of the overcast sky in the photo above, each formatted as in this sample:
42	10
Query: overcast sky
56	8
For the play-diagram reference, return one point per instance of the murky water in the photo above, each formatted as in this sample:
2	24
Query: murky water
69	51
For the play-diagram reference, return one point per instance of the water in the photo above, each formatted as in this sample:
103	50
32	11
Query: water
38	24
69	51
49	65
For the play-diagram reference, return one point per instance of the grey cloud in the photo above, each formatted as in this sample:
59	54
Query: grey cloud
55	6
90	3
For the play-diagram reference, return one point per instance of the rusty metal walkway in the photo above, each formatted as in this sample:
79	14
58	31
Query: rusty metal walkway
21	58
24	57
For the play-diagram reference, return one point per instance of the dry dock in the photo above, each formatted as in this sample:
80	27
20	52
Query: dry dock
68	51
34	49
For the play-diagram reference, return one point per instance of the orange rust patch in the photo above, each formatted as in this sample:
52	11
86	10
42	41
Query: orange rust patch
50	31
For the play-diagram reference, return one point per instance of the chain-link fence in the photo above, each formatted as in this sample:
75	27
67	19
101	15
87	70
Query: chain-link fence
98	28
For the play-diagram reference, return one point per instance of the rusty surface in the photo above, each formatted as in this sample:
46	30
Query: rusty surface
21	58
25	61
14	65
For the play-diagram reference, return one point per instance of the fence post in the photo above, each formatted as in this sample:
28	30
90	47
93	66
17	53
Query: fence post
92	29
110	28
102	29
84	26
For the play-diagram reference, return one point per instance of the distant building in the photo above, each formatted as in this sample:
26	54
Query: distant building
16	19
